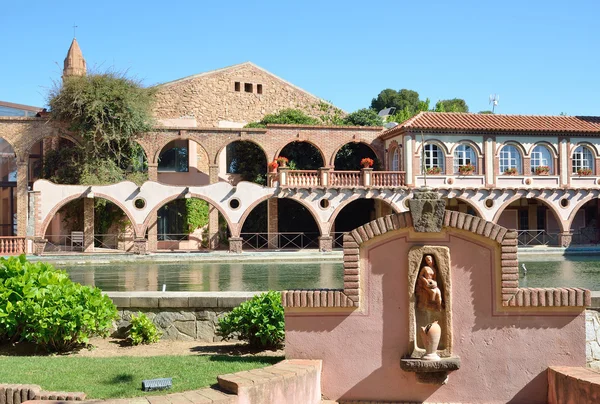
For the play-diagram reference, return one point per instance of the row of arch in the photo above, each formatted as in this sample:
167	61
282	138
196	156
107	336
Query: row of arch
543	156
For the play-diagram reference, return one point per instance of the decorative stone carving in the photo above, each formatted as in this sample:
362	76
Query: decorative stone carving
431	372
428	293
427	211
140	246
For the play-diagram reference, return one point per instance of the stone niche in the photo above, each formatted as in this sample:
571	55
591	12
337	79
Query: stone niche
420	316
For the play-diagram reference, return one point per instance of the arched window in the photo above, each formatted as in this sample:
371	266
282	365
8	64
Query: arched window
396	159
174	157
540	159
510	160
583	159
434	157
464	155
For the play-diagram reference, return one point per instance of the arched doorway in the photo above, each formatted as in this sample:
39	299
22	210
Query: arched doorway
355	214
348	157
303	156
296	226
183	162
89	225
183	225
535	222
243	160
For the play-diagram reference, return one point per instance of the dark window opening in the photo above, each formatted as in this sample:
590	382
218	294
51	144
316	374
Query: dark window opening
237	86
174	158
171	221
248	87
259	88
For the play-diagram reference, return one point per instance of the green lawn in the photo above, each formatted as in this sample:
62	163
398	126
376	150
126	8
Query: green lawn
121	377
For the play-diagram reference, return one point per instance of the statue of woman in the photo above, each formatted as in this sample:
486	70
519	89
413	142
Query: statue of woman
429	295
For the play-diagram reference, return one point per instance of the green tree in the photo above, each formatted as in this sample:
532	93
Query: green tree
405	114
485	112
453	105
363	117
285	116
248	160
403	99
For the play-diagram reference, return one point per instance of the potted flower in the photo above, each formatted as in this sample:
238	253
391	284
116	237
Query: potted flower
583	172
282	161
366	162
433	170
467	169
511	171
273	165
542	170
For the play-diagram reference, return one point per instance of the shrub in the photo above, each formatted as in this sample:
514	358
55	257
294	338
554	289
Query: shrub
41	304
259	321
143	330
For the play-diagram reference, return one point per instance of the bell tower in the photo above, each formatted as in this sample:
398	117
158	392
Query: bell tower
74	62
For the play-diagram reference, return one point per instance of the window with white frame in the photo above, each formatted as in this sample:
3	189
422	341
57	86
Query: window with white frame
434	157
540	158
583	159
396	160
510	160
463	156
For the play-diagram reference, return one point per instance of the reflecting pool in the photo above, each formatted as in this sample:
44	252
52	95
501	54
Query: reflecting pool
570	271
200	276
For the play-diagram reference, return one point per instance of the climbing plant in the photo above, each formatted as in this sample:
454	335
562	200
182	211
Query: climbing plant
196	215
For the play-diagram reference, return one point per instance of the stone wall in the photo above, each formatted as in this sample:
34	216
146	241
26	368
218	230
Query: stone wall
592	338
212	97
179	315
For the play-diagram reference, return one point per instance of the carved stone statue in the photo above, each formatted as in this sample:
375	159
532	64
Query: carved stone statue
428	293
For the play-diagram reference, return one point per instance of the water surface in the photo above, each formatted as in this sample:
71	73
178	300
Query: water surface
570	271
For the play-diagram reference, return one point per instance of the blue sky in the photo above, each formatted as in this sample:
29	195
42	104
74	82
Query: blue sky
542	57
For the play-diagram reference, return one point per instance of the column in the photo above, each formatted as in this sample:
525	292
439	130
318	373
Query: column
408	160
324	176
325	243
22	199
153	232
563	157
213	213
273	222
564	239
489	161
152	172
88	224
366	177
532	216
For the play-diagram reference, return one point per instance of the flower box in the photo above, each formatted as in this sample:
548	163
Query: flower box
367	162
542	170
433	170
467	169
282	161
584	172
511	171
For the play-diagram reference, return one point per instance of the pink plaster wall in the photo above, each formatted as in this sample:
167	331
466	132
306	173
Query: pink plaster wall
504	357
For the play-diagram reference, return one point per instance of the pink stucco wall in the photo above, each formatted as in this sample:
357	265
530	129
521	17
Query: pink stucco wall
504	356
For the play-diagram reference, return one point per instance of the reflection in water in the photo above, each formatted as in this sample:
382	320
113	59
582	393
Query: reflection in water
576	272
198	276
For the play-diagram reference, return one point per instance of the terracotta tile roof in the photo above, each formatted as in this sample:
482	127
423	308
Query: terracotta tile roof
454	121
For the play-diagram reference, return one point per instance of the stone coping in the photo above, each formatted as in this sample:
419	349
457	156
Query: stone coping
20	393
161	300
511	294
573	385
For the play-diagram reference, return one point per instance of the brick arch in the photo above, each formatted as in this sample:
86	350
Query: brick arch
353	198
215	160
467	201
518	145
511	294
164	144
301	140
436	142
340	145
589	145
547	145
468	142
71	198
232	226
552	208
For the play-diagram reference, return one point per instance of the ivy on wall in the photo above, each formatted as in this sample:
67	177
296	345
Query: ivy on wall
196	215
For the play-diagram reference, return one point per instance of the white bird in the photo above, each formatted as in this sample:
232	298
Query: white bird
524	269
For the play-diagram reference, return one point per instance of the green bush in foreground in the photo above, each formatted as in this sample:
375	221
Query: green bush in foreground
143	330
42	305
259	321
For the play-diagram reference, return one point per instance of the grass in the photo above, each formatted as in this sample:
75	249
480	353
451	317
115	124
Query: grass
121	377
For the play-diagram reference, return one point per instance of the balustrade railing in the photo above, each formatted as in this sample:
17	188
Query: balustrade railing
344	179
303	178
387	179
10	245
279	241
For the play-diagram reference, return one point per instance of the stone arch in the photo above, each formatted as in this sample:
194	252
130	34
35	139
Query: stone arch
470	143
576	208
547	145
315	145
518	145
250	208
233	227
354	198
468	202
589	145
340	145
65	201
171	139
215	160
312	212
436	142
516	197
